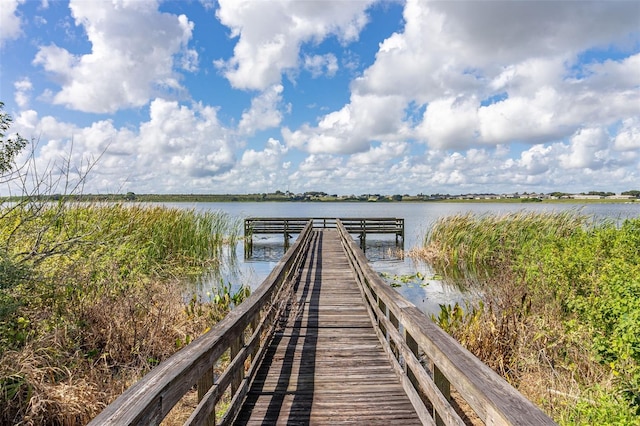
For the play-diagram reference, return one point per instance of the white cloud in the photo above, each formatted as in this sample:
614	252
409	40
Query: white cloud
132	57
587	149
450	123
628	138
466	97
488	73
270	35
380	155
351	129
10	21
264	112
319	65
269	158
23	92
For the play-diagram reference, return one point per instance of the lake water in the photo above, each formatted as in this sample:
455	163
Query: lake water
426	294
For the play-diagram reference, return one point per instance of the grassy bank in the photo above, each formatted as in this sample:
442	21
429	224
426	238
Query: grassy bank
560	317
92	296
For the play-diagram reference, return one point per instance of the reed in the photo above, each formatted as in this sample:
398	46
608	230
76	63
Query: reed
561	307
93	296
468	244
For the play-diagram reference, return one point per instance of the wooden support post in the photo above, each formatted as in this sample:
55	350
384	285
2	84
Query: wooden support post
383	310
204	384
254	326
415	350
445	388
396	324
236	345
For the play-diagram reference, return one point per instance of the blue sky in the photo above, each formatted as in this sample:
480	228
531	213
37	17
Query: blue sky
347	97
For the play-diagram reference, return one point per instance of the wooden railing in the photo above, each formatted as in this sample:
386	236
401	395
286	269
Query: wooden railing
241	334
288	226
429	362
293	225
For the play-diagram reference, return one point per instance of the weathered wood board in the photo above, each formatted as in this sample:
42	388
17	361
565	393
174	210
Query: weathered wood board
326	364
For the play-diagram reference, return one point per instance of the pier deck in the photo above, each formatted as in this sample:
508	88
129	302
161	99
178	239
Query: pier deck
325	364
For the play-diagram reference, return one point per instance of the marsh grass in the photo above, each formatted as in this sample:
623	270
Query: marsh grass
560	317
468	244
93	297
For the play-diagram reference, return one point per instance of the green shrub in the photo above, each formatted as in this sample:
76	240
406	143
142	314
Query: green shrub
579	275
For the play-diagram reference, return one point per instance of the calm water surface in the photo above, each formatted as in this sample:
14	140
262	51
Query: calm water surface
426	294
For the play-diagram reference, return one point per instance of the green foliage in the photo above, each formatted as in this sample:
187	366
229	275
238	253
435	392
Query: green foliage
56	257
91	299
598	406
476	245
406	280
585	276
9	147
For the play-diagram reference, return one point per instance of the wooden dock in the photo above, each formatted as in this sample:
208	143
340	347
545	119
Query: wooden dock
325	364
288	226
324	340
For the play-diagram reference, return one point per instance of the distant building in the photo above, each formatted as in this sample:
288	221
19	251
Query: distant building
587	197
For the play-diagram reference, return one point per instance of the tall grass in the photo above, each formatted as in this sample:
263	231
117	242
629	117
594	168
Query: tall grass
560	317
92	297
468	244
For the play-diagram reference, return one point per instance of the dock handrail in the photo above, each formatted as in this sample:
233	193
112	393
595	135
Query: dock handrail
430	362
240	333
293	225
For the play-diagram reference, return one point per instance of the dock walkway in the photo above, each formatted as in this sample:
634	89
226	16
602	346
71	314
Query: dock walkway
325	364
324	340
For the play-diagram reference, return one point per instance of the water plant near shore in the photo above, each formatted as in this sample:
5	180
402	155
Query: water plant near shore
92	297
561	311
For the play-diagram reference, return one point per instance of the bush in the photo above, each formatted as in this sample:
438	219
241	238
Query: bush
563	293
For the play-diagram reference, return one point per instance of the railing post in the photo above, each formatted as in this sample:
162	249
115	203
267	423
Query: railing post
396	324
254	327
383	309
236	346
445	388
204	384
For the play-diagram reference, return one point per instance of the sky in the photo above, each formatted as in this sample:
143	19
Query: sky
340	96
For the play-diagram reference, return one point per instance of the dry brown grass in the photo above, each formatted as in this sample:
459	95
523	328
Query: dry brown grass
47	382
525	343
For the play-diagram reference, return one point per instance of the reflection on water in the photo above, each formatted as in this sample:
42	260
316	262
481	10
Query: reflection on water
266	248
385	257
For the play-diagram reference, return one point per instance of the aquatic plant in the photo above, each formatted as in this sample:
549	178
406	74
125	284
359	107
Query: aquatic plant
561	309
93	296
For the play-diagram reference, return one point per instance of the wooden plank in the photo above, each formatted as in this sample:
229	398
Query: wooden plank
326	364
149	400
490	396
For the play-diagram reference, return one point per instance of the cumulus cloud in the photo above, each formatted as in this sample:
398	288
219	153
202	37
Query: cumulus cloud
352	128
488	73
450	123
134	51
587	149
628	138
319	65
10	21
190	140
264	112
269	158
379	155
464	96
23	91
179	148
270	35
